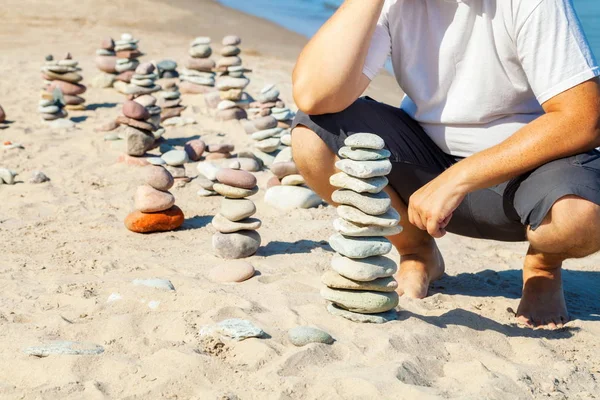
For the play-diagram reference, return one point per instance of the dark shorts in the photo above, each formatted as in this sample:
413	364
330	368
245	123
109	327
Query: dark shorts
501	212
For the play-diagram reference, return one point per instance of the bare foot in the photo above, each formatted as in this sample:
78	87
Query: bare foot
542	305
418	269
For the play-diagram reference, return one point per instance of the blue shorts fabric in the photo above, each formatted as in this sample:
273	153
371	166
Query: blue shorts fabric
502	212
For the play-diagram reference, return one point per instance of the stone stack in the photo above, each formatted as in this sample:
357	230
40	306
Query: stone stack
231	82
230	54
169	100
198	77
267	134
361	286
106	61
64	75
127	53
51	105
269	103
141	118
236	236
167	69
143	81
155	209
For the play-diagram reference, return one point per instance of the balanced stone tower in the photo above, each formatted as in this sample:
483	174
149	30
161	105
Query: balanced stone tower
64	75
127	53
155	209
170	101
361	286
141	117
236	236
198	76
232	81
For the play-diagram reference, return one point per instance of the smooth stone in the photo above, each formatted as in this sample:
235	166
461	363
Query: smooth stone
293	180
200	51
165	103
171	113
231	114
232	94
142	82
286	139
364	154
365	185
68	88
156	161
220	148
364	269
38	177
49	109
112	136
378	318
390	218
224	225
367	302
177	172
348	228
167	65
200	64
74	101
236	245
209	170
135	110
204	182
205	193
234	328
235	164
231	40
7	176
64	347
124	76
226	104
234	192
158	177
266	134
249	164
175	157
303	335
145	68
163	221
229	61
233	271
72	77
226	83
156	283
228	51
138	141
107	43
282	116
364	169
217	156
264	123
291	197
333	280
285	155
283	169
370	203
200	40
268	94
237	209
268	145
148	200
145	125
57	116
126	66
195	148
265	158
199	80
359	247
169	95
365	141
273	181
236	178
61	124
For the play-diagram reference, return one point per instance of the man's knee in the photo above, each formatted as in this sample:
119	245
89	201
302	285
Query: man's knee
310	153
571	227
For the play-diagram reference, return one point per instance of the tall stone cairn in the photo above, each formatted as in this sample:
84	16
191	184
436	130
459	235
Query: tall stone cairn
360	286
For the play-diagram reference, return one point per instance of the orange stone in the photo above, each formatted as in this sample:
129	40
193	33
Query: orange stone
162	221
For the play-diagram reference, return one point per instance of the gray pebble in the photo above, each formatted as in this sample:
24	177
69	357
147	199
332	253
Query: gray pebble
303	335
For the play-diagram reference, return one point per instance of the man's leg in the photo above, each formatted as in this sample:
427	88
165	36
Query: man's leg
421	262
570	230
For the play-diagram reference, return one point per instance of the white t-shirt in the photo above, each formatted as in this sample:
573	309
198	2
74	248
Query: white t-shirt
476	71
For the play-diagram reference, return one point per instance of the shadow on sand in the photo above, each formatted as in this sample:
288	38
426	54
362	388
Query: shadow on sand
299	247
197	222
95	106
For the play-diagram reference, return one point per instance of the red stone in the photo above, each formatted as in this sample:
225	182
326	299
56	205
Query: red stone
236	178
162	221
135	110
68	88
195	149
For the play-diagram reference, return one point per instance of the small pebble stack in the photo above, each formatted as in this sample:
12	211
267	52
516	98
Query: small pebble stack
361	286
198	77
269	103
106	61
64	75
155	209
167	69
236	236
267	134
127	53
141	118
231	81
51	104
169	100
143	81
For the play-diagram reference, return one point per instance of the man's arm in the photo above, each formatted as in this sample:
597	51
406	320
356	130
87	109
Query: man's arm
570	126
328	76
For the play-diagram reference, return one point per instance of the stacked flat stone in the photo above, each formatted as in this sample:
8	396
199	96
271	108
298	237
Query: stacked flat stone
143	81
169	100
127	53
361	286
198	76
51	105
64	75
231	81
167	69
106	62
155	209
141	119
268	103
236	236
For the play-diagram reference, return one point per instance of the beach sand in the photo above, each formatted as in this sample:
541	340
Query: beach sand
65	251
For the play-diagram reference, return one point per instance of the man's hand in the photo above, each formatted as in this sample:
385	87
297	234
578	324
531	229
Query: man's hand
430	208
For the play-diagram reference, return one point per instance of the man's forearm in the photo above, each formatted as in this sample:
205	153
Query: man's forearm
556	134
328	75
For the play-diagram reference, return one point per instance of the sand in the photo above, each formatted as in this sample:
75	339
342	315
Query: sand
65	252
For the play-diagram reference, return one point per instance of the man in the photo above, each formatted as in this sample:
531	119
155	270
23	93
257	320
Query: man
494	139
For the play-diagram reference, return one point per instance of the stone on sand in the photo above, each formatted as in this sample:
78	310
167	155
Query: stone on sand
148	200
64	347
236	245
291	197
303	335
237	209
234	328
359	247
209	170
195	148
365	269
162	221
334	280
38	177
367	302
236	178
378	318
158	177
176	157
155	283
232	271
